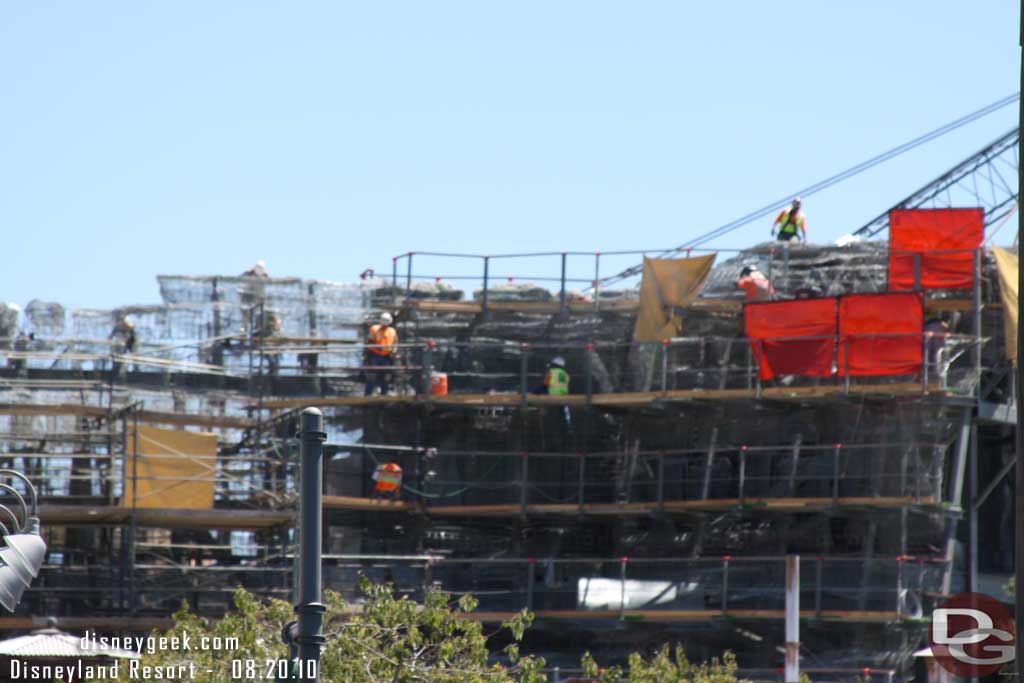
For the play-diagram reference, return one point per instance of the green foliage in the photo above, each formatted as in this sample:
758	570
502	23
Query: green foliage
392	639
667	665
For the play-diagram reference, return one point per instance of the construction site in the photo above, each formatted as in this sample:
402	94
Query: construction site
702	440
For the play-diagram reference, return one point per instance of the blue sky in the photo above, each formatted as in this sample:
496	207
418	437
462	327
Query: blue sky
325	137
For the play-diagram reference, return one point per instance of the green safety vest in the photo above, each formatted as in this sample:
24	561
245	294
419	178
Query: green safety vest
558	382
790	224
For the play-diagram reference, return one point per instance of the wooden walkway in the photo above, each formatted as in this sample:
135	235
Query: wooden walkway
161	518
145	416
782	505
623	400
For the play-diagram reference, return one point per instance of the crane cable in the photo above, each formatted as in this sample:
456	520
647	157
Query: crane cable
826	183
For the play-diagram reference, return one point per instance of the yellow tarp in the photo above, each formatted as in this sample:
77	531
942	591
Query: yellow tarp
1006	263
172	469
668	284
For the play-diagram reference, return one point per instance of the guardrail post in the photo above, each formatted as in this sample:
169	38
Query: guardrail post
664	366
622	586
588	368
743	474
924	360
917	271
583	463
750	367
661	479
523	482
899	585
725	583
484	293
597	280
976	304
771	269
792	619
561	292
523	361
757	370
531	570
394	275
818	571
846	365
428	367
408	276
835	473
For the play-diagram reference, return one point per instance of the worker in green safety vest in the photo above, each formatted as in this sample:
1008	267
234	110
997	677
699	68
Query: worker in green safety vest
557	379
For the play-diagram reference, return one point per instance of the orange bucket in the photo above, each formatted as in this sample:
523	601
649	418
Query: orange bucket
438	384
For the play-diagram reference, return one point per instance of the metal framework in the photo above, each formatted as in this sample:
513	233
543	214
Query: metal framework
988	178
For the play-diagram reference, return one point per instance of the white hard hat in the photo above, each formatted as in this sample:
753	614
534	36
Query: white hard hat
14	307
559	361
386	318
261	264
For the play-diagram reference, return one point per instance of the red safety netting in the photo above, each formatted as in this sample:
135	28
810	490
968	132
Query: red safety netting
866	322
944	241
772	326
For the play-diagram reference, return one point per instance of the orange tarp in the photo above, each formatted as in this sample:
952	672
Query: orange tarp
668	284
943	240
882	333
171	469
771	325
1006	264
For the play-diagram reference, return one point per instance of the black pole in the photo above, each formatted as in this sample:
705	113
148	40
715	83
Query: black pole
310	609
1019	441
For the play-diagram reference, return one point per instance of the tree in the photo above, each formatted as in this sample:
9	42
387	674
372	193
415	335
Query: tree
667	665
387	639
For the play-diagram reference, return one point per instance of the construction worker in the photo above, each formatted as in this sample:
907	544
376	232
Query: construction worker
755	284
382	344
789	222
556	381
387	480
124	330
258	271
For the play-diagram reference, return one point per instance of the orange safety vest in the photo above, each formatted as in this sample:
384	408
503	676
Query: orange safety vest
388	477
382	340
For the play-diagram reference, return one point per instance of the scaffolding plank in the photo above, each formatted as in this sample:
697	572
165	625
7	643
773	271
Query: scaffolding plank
150	416
621	400
627	509
109	515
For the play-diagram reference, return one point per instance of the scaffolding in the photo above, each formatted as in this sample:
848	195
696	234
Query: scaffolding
656	501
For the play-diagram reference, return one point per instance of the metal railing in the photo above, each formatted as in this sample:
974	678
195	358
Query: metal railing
680	364
894	587
830	474
403	276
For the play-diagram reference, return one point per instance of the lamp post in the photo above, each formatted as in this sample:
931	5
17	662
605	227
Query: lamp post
305	636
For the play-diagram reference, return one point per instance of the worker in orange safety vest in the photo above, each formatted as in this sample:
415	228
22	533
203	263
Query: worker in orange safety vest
381	346
755	284
387	481
789	221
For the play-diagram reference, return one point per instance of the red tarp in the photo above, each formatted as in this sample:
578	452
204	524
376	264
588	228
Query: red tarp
880	314
767	322
932	233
